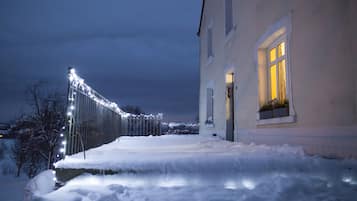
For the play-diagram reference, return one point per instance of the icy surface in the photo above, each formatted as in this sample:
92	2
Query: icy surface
198	168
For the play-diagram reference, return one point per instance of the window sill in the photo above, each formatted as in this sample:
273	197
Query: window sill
278	120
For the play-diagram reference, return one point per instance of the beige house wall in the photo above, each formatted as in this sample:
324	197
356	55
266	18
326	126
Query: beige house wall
322	47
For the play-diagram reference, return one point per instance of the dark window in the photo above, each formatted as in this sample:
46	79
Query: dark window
229	16
209	119
209	43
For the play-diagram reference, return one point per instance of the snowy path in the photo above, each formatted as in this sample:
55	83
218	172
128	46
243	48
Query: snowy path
12	188
197	168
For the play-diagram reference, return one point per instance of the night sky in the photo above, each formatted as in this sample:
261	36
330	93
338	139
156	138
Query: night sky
133	52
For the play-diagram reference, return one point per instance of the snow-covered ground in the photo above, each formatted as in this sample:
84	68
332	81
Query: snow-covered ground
198	168
11	187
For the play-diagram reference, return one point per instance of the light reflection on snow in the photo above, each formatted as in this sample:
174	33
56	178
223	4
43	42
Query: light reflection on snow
172	182
249	184
245	183
131	181
230	185
349	180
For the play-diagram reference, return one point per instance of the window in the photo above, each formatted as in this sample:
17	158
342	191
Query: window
274	84
209	119
277	72
209	43
228	16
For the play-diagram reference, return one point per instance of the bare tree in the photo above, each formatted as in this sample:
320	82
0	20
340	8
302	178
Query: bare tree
39	132
49	117
21	150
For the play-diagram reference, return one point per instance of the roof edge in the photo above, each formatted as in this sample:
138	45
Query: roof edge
201	17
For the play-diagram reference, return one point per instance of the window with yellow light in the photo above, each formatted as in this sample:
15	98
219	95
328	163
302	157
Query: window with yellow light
277	72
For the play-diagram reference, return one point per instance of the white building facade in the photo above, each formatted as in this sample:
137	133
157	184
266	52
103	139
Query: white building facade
280	72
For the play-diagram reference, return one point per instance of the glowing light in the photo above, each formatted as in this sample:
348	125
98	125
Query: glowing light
58	155
172	182
230	185
77	83
273	82
229	78
64	142
72	107
54	179
281	49
349	180
249	184
72	71
282	80
1	136
62	150
272	54
53	172
63	127
61	135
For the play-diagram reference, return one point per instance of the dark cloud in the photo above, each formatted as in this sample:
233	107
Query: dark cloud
134	52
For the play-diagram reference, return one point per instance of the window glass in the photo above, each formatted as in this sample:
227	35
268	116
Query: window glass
228	16
281	49
273	82
282	81
209	117
272	54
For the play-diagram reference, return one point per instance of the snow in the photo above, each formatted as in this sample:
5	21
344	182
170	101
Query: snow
199	168
41	184
175	153
12	188
7	164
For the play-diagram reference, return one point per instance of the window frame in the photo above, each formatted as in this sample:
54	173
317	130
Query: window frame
278	59
279	29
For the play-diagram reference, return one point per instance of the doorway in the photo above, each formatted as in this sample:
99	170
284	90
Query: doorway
230	107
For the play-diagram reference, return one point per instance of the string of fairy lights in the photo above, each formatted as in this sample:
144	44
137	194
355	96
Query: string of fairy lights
76	83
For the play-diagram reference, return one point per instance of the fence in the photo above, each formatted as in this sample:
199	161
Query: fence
93	120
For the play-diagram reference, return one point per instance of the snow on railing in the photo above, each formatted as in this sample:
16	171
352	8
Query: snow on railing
94	120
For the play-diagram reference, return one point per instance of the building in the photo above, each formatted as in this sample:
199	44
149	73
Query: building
280	72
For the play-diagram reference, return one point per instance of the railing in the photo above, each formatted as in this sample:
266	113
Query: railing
93	120
141	125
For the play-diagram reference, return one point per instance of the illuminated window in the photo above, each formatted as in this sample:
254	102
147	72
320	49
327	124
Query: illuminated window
229	78
275	103
277	72
273	82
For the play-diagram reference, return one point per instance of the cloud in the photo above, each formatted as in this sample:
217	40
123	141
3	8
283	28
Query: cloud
136	52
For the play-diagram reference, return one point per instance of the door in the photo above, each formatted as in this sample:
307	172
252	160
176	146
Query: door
230	107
